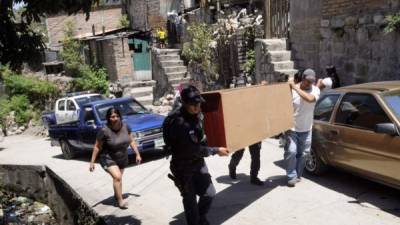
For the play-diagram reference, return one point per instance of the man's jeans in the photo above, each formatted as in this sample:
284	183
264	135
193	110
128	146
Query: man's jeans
297	147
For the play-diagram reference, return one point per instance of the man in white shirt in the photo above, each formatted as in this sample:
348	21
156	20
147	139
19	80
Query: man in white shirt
298	144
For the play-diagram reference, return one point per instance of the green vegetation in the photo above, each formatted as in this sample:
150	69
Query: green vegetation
27	97
392	23
251	61
37	91
123	21
91	78
87	77
71	50
21	42
198	51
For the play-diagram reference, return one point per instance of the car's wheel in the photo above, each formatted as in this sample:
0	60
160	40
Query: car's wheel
314	164
67	150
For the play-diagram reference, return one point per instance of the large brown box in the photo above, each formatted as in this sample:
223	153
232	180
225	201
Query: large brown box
236	118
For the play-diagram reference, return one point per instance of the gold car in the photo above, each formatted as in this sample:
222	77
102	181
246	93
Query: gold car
356	128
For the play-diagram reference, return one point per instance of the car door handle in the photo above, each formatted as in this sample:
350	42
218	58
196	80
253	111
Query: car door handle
334	132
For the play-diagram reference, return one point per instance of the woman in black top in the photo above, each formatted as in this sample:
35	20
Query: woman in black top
112	142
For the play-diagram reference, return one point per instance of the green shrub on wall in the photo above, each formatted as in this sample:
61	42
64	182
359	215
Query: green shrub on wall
37	91
392	23
91	78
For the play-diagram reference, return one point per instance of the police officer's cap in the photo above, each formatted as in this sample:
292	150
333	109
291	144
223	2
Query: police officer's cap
191	95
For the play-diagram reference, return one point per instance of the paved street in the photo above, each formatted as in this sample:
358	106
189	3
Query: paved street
336	198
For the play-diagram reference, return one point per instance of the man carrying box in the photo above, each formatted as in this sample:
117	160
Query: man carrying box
298	139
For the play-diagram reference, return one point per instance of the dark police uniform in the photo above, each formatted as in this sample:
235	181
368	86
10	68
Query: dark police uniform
187	143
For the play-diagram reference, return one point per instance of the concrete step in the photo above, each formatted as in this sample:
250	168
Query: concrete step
145	100
175	82
176	75
168	57
276	44
283	65
139	91
134	84
289	72
175	69
171	63
168	51
277	56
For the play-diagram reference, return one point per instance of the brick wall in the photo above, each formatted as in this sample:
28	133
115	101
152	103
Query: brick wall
342	7
114	55
108	17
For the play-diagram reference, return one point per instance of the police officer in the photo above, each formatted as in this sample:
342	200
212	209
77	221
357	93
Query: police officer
254	148
185	138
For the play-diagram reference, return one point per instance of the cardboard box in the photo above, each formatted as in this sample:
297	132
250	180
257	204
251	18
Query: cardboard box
237	118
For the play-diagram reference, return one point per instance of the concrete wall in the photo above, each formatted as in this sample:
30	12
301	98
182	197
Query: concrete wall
347	34
42	184
145	15
107	17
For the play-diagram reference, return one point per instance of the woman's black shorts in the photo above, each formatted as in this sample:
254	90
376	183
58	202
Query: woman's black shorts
106	161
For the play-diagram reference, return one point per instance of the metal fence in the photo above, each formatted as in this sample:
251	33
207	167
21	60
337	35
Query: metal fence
277	23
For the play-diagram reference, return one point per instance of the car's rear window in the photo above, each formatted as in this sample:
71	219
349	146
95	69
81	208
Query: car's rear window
83	100
393	101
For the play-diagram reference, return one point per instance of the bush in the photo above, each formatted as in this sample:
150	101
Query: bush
22	108
37	91
91	79
5	110
70	52
251	61
392	23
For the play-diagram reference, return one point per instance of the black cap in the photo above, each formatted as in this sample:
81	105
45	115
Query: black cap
191	95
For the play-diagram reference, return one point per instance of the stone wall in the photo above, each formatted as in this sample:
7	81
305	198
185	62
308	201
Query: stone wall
107	17
305	17
42	184
348	35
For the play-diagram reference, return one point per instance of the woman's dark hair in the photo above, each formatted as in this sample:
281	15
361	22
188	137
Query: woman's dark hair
110	111
331	72
298	76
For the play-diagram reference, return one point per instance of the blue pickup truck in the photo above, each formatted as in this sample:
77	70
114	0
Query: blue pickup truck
81	135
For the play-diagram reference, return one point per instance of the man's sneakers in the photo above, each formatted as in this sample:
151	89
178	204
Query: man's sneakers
232	173
292	182
256	181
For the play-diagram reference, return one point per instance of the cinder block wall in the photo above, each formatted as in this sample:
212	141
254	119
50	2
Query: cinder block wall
109	17
347	34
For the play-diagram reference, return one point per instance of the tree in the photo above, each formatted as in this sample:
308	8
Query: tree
18	41
71	50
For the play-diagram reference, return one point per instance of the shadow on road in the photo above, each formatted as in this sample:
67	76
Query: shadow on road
236	197
1	149
147	157
111	200
365	192
123	220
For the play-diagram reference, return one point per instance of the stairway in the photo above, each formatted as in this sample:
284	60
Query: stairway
142	91
275	60
173	66
168	70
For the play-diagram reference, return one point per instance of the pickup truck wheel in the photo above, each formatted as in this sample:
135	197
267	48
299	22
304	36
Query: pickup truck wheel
314	164
67	150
